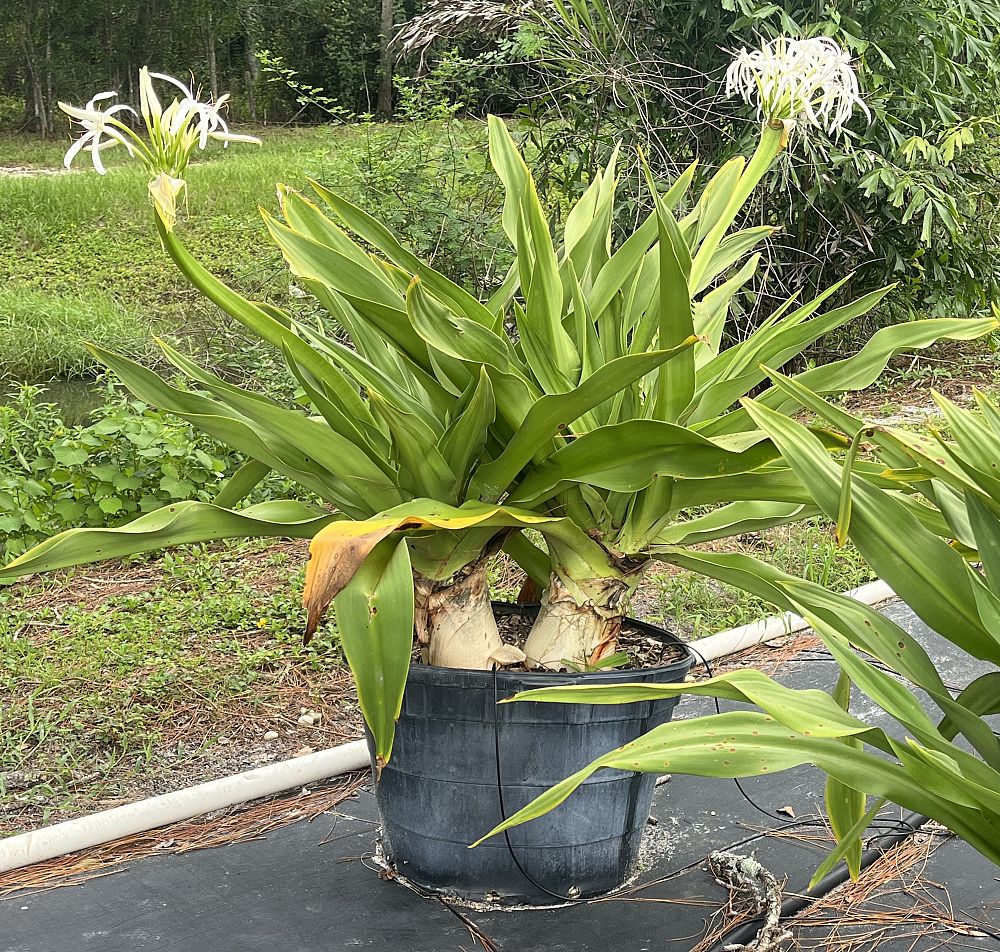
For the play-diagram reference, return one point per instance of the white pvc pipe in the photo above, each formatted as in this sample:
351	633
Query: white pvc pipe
746	636
97	828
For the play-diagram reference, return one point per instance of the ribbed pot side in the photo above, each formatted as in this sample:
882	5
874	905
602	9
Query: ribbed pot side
439	791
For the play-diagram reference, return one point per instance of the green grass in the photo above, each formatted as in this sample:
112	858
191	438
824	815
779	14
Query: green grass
42	334
31	152
102	693
78	241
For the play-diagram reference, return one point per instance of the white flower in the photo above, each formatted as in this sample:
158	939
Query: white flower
211	125
809	81
101	130
172	134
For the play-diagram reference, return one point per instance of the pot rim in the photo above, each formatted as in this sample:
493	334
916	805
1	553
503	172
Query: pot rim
431	673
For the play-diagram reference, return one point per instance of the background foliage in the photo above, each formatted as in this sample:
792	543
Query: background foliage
909	197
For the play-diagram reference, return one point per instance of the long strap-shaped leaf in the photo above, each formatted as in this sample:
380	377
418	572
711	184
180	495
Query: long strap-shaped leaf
289	442
928	574
382	238
744	743
675	382
554	414
547	348
180	523
375	622
624	457
257	318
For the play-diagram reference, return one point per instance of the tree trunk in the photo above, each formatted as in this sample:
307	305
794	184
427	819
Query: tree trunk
252	72
388	22
213	73
455	623
49	99
567	634
36	94
251	95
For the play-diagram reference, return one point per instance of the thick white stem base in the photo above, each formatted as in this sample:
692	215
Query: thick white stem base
456	626
566	634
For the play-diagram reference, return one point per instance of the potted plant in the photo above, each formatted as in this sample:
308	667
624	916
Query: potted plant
392	436
436	437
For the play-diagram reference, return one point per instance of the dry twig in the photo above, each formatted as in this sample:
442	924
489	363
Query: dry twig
754	887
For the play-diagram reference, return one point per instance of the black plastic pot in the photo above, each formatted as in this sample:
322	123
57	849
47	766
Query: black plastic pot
439	791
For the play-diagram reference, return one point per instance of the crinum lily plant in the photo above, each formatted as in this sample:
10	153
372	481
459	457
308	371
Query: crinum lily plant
603	420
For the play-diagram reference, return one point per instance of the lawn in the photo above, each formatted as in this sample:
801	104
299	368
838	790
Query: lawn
81	261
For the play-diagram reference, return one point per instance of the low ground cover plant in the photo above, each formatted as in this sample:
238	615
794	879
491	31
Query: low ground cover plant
132	458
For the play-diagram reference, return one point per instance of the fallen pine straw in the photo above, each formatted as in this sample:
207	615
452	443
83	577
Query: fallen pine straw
892	900
236	825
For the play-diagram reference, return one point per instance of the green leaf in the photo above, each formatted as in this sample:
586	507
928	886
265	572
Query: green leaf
986	529
743	743
423	471
981	697
262	321
547	348
921	568
847	844
676	380
862	369
735	519
289	442
70	455
554	414
375	622
462	443
376	299
845	806
624	457
177	524
382	238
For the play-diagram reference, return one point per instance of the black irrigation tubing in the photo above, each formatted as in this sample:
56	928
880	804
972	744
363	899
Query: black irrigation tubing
746	932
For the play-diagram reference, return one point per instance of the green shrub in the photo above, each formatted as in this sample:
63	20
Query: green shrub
11	112
909	198
133	459
430	182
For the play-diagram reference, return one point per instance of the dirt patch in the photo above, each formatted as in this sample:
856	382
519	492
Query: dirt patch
26	171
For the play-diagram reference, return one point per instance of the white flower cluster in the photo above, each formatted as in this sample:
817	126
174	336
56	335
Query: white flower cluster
172	133
795	82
